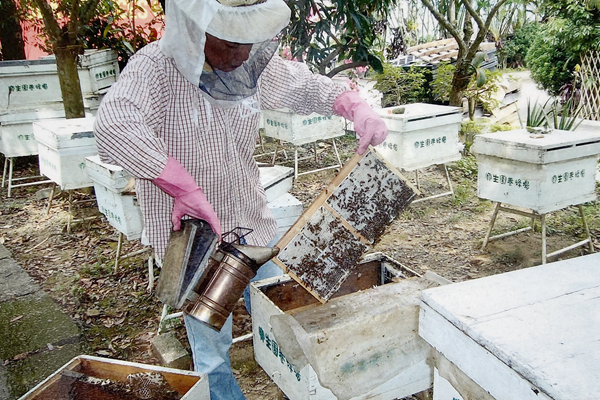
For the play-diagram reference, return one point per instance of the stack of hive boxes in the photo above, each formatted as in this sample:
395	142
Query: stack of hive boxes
30	92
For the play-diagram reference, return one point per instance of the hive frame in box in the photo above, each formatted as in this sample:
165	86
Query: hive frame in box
303	381
542	217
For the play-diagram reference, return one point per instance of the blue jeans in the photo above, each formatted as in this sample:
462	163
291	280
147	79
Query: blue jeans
210	349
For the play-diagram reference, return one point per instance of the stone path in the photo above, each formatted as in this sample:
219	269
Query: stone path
36	337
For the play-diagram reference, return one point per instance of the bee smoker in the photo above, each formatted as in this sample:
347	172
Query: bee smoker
205	278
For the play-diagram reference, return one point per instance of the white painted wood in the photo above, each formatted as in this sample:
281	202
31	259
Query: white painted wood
423	135
98	71
543	174
299	129
539	187
442	389
63	145
16	129
121	211
286	209
110	176
360	335
276	180
520	145
25	83
524	331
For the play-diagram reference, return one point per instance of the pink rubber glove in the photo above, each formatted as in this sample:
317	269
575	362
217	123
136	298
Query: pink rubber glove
189	198
368	125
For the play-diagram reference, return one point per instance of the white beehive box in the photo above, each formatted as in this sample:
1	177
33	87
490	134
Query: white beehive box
28	82
286	209
276	180
362	344
423	135
189	385
299	129
530	334
543	174
25	83
16	128
63	145
99	69
121	210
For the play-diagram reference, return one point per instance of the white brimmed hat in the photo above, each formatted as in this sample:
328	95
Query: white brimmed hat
239	21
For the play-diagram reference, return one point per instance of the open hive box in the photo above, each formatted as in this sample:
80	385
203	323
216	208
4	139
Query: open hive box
88	377
342	328
362	344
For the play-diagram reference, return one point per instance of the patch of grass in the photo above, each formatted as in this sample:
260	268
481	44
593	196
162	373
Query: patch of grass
568	221
483	206
462	196
412	213
96	270
455	217
501	128
512	257
465	167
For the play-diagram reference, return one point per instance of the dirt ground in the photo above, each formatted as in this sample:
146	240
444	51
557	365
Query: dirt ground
118	316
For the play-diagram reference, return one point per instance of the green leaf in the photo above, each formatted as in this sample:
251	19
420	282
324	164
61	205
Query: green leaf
481	77
478	59
376	63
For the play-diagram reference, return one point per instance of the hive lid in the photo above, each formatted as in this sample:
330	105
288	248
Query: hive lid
65	133
270	176
521	145
546	331
108	175
417	111
19	115
418	116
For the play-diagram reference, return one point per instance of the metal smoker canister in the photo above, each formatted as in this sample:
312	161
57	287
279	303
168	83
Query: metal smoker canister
230	270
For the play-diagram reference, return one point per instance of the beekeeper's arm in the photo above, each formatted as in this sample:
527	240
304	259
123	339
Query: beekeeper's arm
289	84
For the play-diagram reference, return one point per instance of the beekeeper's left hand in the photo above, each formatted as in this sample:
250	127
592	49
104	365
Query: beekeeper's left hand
367	123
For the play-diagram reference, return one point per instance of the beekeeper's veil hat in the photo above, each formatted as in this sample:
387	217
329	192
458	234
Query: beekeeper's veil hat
255	22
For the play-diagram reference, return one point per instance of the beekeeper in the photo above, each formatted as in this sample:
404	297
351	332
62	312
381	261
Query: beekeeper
183	120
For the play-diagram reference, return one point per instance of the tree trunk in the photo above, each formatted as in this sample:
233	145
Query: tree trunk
460	81
11	35
70	87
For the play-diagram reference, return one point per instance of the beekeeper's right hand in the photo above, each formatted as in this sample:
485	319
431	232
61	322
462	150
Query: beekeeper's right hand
190	200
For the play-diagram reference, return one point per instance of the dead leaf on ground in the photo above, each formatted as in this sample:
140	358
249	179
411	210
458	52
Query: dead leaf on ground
15	319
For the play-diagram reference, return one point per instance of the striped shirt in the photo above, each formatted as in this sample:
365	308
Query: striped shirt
152	112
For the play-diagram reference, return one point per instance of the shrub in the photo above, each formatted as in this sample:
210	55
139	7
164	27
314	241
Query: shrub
442	82
516	46
401	85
